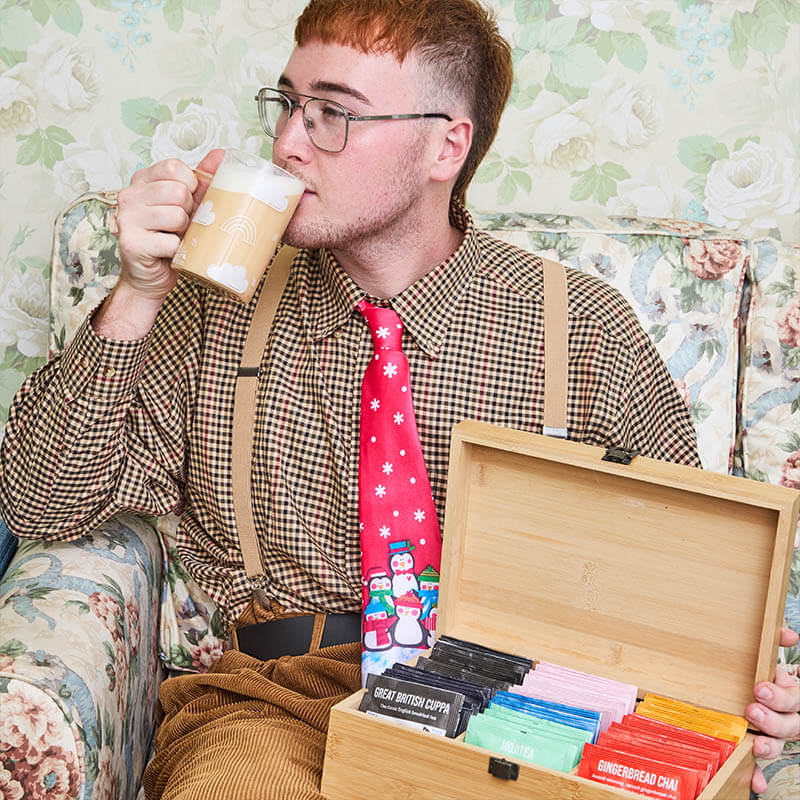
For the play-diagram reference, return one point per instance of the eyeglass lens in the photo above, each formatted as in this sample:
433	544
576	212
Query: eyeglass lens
325	121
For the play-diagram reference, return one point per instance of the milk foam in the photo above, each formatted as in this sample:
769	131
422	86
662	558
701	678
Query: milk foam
271	188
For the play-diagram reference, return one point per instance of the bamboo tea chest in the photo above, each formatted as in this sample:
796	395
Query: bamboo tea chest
656	574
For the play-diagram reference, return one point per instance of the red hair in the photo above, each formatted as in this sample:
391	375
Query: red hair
456	40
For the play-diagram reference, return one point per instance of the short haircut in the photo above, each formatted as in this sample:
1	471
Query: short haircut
456	41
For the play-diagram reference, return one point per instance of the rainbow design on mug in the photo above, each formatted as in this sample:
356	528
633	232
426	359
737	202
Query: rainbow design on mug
242	225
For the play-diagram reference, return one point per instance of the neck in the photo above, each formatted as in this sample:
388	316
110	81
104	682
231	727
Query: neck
386	265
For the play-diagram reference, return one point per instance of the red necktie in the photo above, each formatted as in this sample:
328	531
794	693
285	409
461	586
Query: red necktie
401	545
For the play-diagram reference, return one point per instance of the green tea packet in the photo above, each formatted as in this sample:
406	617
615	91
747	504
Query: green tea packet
577	736
507	737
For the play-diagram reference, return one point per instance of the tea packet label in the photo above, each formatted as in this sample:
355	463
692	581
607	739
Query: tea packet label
427	707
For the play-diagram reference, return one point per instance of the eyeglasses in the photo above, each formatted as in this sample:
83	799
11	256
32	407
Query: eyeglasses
327	123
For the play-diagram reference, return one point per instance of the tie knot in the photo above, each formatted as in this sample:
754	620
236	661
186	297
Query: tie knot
384	324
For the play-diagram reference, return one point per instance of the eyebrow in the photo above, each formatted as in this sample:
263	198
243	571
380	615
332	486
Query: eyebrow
329	86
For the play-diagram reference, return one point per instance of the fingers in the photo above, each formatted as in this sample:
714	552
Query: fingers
776	710
171	169
205	172
788	637
759	782
767	747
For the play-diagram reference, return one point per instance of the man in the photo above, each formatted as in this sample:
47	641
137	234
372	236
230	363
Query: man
137	412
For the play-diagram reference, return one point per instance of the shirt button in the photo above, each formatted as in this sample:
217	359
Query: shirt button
85	363
109	372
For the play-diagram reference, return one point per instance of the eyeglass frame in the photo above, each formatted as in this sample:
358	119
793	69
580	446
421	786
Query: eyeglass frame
348	115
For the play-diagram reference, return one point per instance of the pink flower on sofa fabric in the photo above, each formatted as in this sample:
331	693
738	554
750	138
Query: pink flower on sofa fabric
134	634
790	473
107	610
789	324
53	778
28	722
711	259
207	653
105	784
29	726
683	390
10	787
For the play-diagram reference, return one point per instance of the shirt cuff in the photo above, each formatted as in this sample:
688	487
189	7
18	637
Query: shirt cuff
100	368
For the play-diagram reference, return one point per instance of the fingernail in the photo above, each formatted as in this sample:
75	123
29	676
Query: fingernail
756	715
764	693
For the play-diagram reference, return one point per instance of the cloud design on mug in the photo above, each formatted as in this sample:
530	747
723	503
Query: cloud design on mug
205	214
234	277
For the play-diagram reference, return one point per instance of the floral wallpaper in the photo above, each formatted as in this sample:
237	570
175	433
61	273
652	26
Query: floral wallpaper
666	108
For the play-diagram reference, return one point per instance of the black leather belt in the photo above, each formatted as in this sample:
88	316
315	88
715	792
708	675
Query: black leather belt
292	636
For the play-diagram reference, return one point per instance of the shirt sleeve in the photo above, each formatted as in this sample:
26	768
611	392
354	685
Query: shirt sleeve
101	429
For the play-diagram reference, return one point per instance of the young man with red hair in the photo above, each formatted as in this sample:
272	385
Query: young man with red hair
141	400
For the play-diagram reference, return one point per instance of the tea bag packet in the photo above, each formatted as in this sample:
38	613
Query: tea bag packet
481	660
476	698
637	737
447	669
434	709
555	729
526	744
671	753
625	692
580	718
647	776
611	708
695	718
638	722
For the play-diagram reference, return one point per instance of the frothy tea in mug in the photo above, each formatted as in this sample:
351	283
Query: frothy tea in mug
236	229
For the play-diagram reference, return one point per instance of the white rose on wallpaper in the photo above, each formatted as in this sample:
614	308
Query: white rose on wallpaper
272	14
654	194
17	103
630	114
66	75
559	136
195	131
97	166
754	185
24	309
604	15
259	68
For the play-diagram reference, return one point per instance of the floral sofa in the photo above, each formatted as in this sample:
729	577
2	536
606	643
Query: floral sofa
89	628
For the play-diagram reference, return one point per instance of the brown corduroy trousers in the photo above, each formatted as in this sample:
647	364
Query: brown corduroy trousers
250	729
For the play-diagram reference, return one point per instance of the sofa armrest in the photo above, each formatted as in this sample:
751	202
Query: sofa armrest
79	661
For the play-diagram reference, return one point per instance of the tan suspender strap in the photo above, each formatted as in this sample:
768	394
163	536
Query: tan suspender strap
244	407
555	349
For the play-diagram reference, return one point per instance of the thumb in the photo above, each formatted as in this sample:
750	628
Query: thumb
205	172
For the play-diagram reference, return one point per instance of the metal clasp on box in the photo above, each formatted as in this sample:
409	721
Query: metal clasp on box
619	455
500	768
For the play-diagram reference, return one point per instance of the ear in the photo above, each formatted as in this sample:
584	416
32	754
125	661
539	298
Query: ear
452	150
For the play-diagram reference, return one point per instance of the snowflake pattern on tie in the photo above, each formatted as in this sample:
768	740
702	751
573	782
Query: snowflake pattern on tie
401	544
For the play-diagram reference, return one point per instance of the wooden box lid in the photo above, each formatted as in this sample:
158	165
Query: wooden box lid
664	576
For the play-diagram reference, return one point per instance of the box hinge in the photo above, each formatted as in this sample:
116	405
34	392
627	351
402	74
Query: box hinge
500	768
620	455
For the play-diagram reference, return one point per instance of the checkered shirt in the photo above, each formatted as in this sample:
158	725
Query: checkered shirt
146	426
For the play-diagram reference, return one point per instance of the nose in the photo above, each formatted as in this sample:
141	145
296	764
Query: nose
293	145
